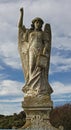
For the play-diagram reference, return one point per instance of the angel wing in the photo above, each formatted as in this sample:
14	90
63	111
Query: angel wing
23	50
47	33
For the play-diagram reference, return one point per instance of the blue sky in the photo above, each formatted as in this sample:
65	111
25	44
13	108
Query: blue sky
58	14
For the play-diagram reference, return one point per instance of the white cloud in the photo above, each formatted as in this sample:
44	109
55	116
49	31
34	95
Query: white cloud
8	1
63	43
61	94
9	55
15	100
9	87
11	97
60	88
9	109
60	62
8	38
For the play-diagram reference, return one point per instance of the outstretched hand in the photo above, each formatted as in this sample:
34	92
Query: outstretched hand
21	9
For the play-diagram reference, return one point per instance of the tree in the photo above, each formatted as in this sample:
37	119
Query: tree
61	116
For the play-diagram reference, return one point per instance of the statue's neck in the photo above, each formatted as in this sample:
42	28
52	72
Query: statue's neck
37	29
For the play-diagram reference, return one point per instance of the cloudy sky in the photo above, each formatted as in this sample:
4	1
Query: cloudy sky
58	14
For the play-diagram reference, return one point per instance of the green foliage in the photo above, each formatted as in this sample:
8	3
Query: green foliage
17	120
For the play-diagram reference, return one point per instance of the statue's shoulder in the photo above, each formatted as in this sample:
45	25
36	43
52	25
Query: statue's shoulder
47	30
47	27
22	28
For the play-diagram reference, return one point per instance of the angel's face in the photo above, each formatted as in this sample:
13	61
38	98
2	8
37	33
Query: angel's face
37	24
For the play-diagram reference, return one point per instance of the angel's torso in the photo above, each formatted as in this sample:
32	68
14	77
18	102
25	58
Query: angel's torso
33	39
36	40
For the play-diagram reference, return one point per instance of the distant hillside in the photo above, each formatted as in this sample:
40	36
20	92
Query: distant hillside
16	120
59	116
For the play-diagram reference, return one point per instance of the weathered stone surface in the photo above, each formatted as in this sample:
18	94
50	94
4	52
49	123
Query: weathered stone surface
37	109
34	47
37	101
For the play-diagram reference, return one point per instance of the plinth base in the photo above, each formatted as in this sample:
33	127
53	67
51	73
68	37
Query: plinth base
38	119
37	109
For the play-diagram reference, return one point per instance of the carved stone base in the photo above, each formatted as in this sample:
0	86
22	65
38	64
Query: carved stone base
38	119
37	101
37	109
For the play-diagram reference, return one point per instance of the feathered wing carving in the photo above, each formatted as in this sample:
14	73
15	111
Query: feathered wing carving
47	33
23	50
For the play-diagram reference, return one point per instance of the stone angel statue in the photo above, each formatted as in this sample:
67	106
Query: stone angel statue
34	47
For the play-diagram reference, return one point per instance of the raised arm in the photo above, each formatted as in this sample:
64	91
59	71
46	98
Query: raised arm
20	24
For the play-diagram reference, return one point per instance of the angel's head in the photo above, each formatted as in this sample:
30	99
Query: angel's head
37	24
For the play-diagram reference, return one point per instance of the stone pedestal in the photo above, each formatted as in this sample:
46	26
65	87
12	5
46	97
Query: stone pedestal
37	109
